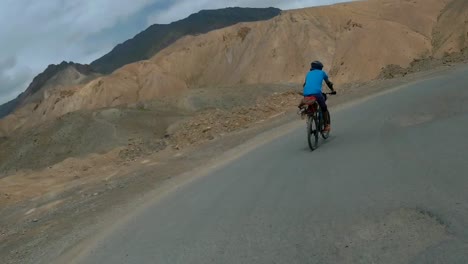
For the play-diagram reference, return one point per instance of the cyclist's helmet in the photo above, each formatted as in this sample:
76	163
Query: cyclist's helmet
316	65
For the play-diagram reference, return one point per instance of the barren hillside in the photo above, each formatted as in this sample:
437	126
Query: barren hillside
143	46
156	37
355	41
451	32
52	79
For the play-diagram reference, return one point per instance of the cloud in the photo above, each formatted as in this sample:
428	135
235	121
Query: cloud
37	33
12	76
179	9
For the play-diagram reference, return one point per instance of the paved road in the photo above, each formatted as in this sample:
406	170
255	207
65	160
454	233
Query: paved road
390	186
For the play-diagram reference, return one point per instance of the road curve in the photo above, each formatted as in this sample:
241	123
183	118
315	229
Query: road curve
389	186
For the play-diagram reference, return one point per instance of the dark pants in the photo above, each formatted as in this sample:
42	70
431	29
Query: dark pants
321	100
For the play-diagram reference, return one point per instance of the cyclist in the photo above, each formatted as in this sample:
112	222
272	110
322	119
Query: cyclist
313	87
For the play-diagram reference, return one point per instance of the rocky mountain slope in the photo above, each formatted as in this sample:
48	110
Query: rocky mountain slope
8	107
143	46
451	31
355	40
52	79
157	37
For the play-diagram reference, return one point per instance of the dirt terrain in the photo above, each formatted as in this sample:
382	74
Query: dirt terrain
141	127
40	198
423	64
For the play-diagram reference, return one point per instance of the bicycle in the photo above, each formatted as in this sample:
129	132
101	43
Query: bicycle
315	121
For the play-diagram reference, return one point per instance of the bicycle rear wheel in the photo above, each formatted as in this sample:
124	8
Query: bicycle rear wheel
312	132
325	134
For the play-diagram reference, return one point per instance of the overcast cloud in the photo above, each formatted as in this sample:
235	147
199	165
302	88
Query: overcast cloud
37	33
183	8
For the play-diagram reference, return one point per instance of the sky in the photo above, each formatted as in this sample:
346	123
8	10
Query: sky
37	33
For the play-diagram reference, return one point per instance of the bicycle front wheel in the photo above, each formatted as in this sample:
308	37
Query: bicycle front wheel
325	134
312	132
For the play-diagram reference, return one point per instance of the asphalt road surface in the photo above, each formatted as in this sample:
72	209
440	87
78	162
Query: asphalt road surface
389	186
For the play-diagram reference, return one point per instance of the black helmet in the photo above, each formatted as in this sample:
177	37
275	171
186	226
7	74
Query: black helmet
316	65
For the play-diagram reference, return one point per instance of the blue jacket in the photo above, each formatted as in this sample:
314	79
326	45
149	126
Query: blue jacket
313	82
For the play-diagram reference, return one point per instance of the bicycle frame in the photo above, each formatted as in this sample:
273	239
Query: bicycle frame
315	121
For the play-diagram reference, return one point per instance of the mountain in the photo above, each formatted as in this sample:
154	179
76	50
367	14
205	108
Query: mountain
142	46
355	41
451	32
8	107
157	37
54	77
65	73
